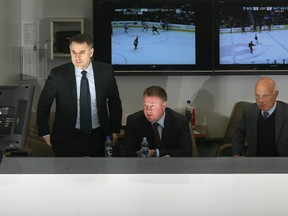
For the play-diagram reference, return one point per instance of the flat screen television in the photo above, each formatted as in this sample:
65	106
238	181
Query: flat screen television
252	36
154	36
15	109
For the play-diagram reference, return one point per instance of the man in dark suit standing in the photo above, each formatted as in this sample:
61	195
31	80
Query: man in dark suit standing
73	136
173	128
264	124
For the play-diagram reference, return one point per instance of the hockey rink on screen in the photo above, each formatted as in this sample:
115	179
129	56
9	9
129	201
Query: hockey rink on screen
272	47
168	47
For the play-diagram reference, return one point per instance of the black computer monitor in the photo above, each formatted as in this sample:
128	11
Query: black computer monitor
15	109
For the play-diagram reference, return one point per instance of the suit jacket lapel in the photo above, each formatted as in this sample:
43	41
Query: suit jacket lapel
71	79
166	132
279	120
96	81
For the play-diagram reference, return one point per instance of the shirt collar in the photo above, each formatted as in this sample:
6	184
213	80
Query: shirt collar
89	69
161	120
272	109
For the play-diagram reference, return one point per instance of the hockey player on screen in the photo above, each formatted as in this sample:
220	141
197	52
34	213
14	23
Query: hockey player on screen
164	24
154	29
256	38
145	27
136	43
250	45
126	28
243	30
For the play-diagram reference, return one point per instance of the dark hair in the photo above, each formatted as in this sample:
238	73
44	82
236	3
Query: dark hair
155	91
82	38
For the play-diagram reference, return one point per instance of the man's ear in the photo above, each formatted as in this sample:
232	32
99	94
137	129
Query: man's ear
164	104
91	52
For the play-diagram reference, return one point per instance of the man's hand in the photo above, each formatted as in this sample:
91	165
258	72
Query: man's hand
236	155
114	138
151	153
139	153
47	140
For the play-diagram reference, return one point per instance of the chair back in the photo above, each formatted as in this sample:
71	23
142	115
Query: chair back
195	152
224	150
235	117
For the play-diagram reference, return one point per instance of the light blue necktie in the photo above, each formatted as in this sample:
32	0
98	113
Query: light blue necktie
265	115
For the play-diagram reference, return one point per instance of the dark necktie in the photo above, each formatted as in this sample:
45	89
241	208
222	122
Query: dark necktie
156	135
265	115
85	104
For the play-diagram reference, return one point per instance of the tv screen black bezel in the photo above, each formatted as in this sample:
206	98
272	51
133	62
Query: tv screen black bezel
102	12
244	69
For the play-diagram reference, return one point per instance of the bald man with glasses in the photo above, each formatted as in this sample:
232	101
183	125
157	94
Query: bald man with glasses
263	125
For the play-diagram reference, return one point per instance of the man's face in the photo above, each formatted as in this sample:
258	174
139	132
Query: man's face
264	95
81	54
153	108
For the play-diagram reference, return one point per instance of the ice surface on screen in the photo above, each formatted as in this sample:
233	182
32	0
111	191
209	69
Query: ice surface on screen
171	42
253	34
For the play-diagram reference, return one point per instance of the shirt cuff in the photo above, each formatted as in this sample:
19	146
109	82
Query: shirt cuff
157	153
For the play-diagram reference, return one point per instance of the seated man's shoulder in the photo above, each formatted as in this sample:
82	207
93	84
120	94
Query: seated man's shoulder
136	115
282	107
176	115
250	106
282	103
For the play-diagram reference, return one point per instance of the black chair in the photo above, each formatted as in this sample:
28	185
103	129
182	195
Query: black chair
221	146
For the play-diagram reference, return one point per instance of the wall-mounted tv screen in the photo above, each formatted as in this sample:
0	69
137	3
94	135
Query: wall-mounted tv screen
152	35
252	35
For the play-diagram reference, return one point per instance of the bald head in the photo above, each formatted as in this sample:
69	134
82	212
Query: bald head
266	82
265	93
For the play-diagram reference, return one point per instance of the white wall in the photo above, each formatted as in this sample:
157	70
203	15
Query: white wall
213	96
10	18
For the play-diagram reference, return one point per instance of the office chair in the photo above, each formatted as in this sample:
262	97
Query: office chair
213	147
224	150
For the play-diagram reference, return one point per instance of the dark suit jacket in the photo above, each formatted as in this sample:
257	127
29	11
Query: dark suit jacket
61	85
176	139
247	129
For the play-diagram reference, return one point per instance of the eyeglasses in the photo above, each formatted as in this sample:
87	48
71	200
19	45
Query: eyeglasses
151	106
264	97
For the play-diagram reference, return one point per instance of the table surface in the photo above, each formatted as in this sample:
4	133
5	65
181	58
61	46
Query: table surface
192	165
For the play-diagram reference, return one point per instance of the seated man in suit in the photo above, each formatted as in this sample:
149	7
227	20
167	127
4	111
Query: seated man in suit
174	137
264	124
